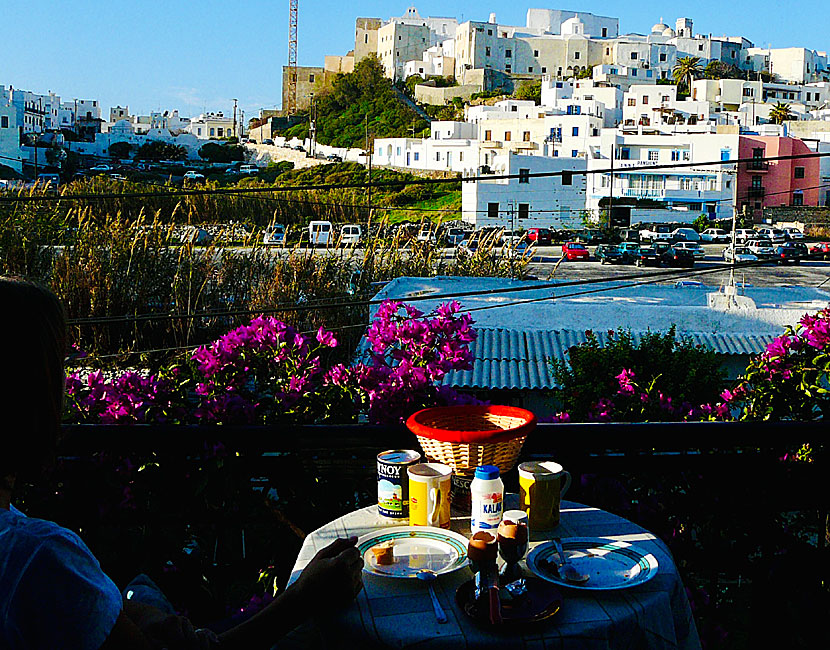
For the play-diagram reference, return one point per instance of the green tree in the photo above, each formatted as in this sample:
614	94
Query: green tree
686	70
342	110
120	150
159	150
586	73
781	113
221	153
720	70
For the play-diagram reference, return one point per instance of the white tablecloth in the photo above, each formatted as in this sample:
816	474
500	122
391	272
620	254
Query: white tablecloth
398	613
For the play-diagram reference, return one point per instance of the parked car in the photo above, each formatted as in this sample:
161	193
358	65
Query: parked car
268	141
540	236
692	247
101	168
518	249
760	247
738	254
118	177
822	249
629	251
250	170
333	157
319	233
351	234
647	256
787	254
196	235
193	176
589	237
609	254
512	236
454	236
426	235
630	234
715	235
799	246
743	235
574	251
660	231
775	235
684	234
677	258
794	234
274	235
298	147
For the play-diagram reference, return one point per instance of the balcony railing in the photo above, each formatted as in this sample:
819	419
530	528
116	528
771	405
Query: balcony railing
758	166
754	192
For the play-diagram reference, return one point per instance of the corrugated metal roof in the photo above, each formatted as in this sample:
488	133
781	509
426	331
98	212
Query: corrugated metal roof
509	359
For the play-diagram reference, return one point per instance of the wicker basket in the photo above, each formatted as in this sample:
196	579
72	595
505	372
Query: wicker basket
465	437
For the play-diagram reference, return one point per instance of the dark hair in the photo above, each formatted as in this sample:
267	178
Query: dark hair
33	333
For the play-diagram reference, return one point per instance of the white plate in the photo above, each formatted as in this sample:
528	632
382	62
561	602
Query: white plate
415	548
609	564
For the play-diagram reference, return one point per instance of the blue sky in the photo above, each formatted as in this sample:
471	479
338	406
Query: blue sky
194	56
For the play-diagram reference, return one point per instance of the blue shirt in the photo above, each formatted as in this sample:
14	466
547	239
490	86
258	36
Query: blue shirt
53	593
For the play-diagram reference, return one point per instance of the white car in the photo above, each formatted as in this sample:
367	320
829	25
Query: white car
761	248
738	254
511	237
794	234
714	235
101	168
249	169
518	249
775	235
194	176
426	235
350	234
743	235
692	247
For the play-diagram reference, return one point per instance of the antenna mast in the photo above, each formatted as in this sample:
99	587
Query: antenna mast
291	96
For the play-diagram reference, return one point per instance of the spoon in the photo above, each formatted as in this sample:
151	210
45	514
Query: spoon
428	576
568	571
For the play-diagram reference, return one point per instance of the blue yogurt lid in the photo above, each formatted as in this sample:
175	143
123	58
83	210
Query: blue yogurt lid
487	472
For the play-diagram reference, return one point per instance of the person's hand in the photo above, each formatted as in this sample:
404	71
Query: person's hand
174	632
333	577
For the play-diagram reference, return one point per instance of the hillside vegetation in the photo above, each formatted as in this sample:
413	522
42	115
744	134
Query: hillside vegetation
342	110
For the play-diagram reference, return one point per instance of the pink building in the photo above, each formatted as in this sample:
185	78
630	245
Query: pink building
764	184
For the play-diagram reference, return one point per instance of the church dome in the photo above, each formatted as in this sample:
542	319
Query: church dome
669	32
659	28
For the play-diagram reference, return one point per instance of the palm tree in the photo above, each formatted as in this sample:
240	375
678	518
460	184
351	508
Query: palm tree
780	113
686	70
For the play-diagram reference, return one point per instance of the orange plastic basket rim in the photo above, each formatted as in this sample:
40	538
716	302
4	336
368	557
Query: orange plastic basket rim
475	424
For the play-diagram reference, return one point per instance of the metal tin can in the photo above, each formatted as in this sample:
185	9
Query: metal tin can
393	482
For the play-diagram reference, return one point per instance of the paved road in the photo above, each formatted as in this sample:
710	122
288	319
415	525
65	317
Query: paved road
807	274
810	273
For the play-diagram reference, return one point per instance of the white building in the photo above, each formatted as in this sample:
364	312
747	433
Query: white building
452	146
438	60
691	191
790	64
9	133
550	21
653	105
555	201
209	125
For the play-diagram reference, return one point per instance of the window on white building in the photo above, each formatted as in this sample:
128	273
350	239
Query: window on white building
675	155
220	131
653	154
633	56
604	32
311	78
524	176
524	210
576	56
526	136
507	136
536	53
530	68
415	156
437	156
486	51
574	154
212	132
492	210
687	155
575	131
632	101
488	135
544	70
508	54
662	57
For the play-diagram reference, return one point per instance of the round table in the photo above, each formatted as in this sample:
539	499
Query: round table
398	613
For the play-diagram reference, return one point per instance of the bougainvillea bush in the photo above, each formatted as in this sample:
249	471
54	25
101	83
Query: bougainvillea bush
267	372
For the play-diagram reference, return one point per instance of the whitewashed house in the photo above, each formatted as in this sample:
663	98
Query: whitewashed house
524	201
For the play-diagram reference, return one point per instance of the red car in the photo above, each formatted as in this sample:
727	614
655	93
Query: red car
822	248
542	236
573	251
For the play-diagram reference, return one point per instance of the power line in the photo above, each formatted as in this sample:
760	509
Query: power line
392	183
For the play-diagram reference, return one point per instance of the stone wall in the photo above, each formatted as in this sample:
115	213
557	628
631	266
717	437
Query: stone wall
441	96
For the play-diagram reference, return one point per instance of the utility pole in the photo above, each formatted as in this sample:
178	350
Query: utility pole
312	128
291	96
369	180
235	133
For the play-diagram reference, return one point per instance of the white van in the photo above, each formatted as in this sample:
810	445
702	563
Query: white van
52	180
319	233
350	234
